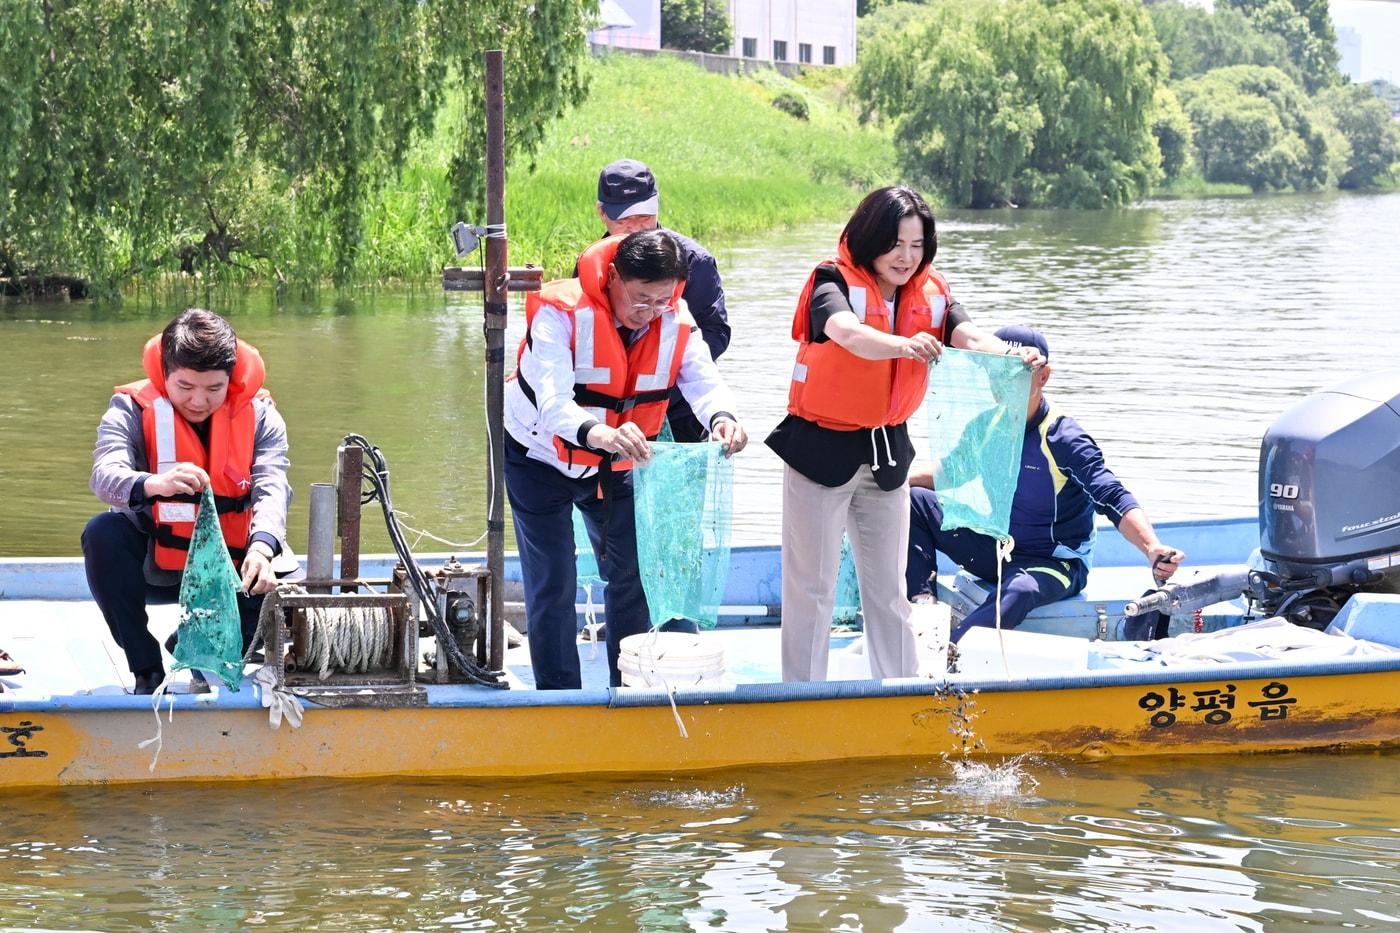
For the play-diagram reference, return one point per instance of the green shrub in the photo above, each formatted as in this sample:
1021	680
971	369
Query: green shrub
792	105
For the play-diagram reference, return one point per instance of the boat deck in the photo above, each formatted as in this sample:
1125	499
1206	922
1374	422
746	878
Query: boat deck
66	650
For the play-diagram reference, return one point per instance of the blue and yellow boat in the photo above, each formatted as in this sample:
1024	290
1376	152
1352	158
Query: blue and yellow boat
1055	687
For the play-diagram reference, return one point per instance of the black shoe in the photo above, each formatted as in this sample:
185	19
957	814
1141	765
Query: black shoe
147	682
198	684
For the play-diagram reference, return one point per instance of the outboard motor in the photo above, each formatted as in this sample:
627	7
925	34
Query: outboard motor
1329	510
1329	499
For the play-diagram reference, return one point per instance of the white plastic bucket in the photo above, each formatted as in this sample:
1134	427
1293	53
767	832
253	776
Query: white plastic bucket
930	623
670	660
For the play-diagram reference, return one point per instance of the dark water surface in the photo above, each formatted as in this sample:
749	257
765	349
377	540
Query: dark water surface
1259	843
1178	332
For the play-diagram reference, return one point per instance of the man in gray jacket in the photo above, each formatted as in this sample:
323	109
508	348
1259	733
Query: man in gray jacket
200	419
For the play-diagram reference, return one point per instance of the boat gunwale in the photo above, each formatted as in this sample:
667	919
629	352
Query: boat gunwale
452	696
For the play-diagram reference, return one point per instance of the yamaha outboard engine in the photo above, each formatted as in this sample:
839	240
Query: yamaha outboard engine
1329	499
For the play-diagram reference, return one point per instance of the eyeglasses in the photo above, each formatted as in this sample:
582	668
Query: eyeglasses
646	307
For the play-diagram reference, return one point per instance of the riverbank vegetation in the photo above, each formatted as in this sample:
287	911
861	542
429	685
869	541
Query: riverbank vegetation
335	141
727	162
247	137
1089	103
140	142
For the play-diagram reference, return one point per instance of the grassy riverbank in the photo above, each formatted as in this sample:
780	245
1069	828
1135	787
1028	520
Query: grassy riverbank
727	163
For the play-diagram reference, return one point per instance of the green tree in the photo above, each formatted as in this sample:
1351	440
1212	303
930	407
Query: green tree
1306	27
1254	126
205	135
1172	129
867	7
1019	101
1196	40
1364	119
696	25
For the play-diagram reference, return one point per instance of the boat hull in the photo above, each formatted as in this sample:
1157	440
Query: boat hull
636	732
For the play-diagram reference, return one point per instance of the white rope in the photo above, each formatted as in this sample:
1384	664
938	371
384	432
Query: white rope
650	644
158	740
348	640
462	545
1004	549
590	621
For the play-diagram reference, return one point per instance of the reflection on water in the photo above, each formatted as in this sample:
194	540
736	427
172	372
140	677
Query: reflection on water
1178	332
1211	844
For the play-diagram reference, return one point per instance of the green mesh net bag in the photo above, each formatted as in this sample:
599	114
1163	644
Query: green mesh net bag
685	506
976	423
847	610
211	638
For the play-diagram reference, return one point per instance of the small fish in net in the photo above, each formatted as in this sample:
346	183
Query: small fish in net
211	638
684	514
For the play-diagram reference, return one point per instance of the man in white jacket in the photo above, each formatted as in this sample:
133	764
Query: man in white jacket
600	356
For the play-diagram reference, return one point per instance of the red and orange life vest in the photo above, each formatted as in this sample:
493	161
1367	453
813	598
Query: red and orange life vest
612	382
170	439
837	389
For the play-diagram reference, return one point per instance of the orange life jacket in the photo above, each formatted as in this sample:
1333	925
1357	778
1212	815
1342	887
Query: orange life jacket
612	382
837	389
170	439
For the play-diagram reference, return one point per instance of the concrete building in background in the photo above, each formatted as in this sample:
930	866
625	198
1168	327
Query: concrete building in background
807	32
1349	46
629	24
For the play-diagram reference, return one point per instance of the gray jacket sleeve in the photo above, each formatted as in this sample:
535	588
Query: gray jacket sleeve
119	459
272	493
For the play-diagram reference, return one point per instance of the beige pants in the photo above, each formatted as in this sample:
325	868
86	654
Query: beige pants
878	524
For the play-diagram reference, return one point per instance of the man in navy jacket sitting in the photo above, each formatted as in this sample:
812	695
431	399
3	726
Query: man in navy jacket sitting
1063	482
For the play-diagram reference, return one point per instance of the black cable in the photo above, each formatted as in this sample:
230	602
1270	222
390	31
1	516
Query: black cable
423	585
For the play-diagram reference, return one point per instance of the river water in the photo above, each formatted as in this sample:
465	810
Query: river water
1262	843
1178	332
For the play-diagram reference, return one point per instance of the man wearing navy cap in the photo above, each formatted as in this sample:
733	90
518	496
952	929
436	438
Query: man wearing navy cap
628	202
1063	481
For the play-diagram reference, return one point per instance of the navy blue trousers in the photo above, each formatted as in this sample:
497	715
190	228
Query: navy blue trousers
114	556
1027	582
542	501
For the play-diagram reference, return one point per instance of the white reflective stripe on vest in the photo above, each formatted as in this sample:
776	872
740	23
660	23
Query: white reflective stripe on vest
938	306
669	322
586	370
165	435
799	372
858	300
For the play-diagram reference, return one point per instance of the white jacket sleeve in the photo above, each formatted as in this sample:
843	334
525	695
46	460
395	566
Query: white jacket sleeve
701	384
548	367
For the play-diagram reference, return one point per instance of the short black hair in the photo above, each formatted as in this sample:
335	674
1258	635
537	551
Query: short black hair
199	340
650	256
873	229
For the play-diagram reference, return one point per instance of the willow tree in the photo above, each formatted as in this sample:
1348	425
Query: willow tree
1044	102
145	135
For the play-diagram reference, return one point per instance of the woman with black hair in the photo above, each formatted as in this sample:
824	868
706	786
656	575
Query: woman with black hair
867	324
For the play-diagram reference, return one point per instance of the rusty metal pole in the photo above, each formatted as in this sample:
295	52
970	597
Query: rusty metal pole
352	470
496	282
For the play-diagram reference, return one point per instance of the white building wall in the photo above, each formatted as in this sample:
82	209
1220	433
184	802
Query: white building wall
645	35
822	24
